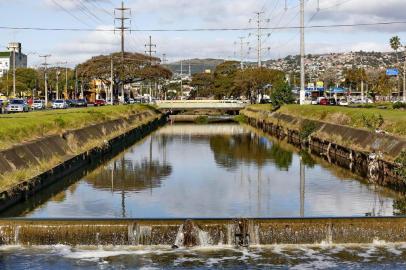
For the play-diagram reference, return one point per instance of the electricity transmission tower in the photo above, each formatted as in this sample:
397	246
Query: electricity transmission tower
242	43
149	49
259	24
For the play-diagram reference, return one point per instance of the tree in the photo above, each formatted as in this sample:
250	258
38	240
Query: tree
395	43
203	83
136	67
26	81
224	76
255	81
282	94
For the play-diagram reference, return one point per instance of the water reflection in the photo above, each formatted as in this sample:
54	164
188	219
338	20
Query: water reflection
232	150
129	175
223	170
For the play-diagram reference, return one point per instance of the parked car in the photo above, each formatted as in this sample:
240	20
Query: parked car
17	105
343	102
38	104
332	101
323	101
314	101
131	101
81	103
71	102
99	102
59	104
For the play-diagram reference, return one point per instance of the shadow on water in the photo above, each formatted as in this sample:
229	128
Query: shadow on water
230	151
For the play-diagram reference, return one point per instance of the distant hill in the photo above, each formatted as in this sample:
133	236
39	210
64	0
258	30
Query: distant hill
196	65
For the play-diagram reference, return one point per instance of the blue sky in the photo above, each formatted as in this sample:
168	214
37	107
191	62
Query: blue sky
75	47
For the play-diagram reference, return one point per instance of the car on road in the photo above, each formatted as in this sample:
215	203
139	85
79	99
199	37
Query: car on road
343	102
59	104
99	102
17	105
323	101
131	101
332	101
81	103
38	104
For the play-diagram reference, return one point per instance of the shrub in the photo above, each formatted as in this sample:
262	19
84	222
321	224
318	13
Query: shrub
399	105
373	121
306	129
401	168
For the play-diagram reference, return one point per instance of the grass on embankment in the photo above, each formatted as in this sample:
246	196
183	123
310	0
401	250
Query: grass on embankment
11	179
22	127
394	121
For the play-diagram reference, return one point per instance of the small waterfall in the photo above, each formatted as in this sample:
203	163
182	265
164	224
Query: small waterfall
16	234
143	235
179	237
204	238
230	234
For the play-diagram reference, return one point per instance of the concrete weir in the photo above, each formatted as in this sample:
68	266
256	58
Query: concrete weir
202	232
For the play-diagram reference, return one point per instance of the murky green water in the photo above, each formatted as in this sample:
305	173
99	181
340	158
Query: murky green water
222	170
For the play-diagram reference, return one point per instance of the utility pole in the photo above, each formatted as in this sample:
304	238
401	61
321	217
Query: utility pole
149	50
13	46
404	77
362	80
66	77
302	53
76	82
57	83
111	80
45	64
122	28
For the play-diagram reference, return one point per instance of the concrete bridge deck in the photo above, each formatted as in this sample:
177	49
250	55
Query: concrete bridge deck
200	105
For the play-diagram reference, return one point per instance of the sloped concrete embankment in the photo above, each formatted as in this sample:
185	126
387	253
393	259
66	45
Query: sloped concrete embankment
365	153
75	149
203	232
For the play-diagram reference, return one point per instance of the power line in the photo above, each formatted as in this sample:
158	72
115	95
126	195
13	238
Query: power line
67	11
204	29
87	11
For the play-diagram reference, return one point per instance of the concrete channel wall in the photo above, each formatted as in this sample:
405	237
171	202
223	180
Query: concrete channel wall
68	146
203	232
363	152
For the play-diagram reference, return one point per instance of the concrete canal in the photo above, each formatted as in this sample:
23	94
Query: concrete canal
204	173
210	171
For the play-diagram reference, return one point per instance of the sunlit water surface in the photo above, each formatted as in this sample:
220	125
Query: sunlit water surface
224	170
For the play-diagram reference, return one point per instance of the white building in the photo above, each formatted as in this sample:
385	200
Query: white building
6	58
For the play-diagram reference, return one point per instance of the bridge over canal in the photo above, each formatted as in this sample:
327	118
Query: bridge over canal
183	105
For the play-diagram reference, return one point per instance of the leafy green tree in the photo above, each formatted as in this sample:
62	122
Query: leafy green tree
203	84
26	81
224	76
282	94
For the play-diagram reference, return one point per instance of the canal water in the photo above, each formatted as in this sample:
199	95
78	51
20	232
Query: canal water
210	171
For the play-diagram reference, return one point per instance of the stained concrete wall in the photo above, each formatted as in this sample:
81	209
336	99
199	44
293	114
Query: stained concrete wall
351	148
70	147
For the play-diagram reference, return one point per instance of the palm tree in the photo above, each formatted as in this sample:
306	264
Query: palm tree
395	45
